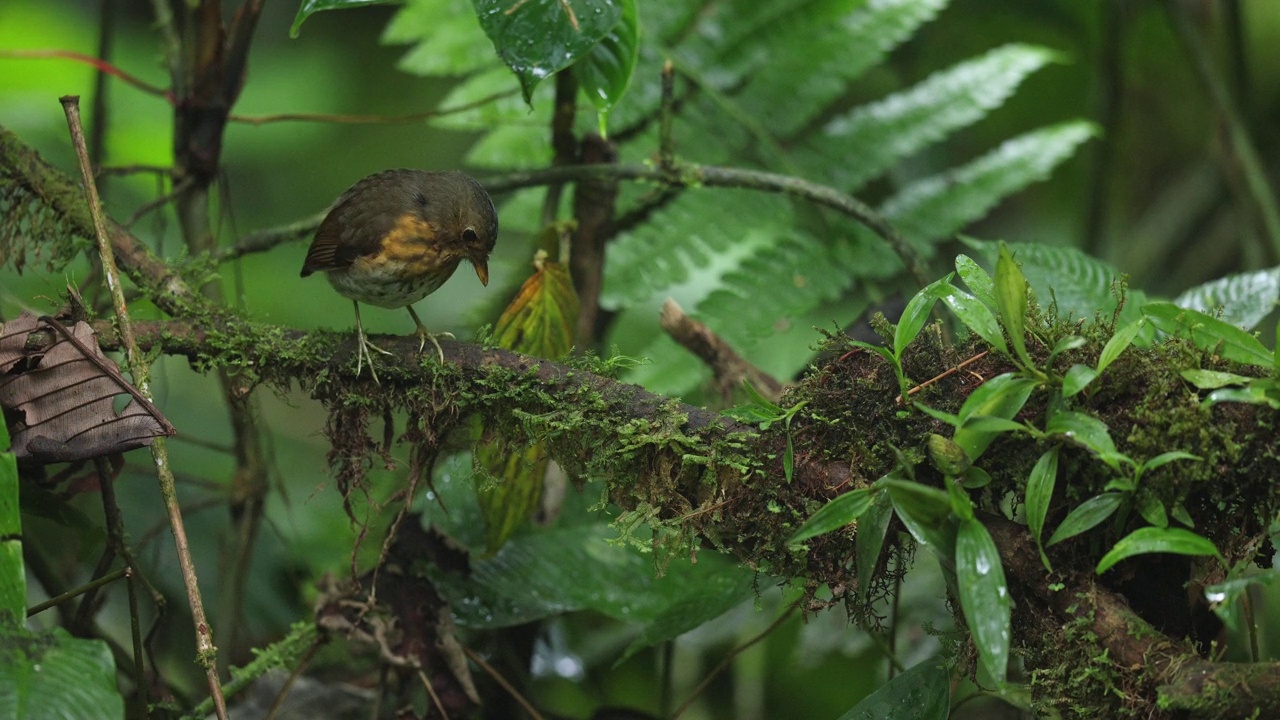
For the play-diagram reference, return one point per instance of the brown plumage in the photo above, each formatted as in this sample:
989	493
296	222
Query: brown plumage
395	237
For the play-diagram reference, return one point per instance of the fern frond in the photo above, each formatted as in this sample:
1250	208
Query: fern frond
938	206
1244	299
813	55
860	145
1080	285
693	240
446	38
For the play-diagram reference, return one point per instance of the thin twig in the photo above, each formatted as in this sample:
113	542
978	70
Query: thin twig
946	373
115	531
497	677
435	699
724	662
206	651
666	116
75	592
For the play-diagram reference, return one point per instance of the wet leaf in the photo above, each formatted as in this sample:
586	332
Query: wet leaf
984	595
836	514
1157	540
537	38
606	71
921	693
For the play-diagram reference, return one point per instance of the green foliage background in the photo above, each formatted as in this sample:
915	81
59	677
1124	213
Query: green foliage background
992	117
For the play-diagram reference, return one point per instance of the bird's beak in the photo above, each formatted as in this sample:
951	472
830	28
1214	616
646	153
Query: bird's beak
482	272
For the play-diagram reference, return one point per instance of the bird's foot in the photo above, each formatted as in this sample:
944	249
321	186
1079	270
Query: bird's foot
424	336
363	356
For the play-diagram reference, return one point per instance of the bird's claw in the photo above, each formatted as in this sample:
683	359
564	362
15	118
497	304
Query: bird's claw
424	336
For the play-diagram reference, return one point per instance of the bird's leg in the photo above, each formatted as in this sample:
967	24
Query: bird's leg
424	336
365	346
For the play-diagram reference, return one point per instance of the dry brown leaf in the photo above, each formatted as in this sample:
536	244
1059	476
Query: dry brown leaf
59	400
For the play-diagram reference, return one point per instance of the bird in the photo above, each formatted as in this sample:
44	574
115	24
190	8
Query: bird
396	236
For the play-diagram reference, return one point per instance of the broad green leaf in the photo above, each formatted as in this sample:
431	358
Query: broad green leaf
1224	598
872	137
921	693
872	528
1165	458
1011	300
1256	393
1244	299
926	513
1040	485
606	71
54	675
977	317
1118	344
310	7
1209	333
1086	516
994	425
540	574
1213	379
936	414
961	505
1082	429
1151	508
977	279
916	314
1077	378
984	596
538	38
1068	343
1156	540
837	513
975	477
935	208
1002	397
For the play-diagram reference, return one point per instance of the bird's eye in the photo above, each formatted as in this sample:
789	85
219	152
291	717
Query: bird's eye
420	199
470	235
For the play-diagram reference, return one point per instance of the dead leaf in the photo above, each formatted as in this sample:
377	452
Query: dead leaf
59	399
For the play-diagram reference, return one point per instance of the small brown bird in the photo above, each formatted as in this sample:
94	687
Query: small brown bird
396	236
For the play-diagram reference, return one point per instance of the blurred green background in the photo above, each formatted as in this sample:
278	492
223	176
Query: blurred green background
1154	196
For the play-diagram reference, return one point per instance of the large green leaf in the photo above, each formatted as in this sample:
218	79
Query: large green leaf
869	139
1086	516
1157	540
606	71
54	675
921	693
842	511
1040	485
984	595
872	529
1209	333
538	575
309	7
537	38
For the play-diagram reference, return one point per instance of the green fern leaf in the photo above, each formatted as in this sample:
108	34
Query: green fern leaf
828	44
1244	299
446	36
496	84
871	138
691	242
936	207
1080	285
